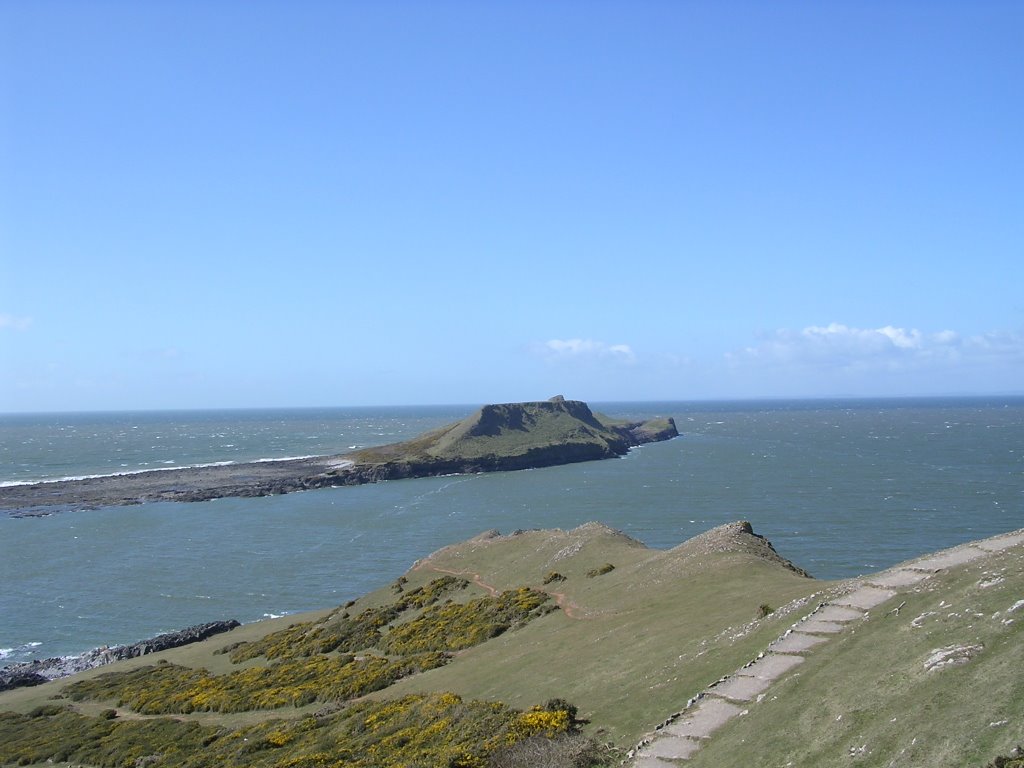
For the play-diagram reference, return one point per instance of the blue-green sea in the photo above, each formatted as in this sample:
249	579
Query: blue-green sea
841	487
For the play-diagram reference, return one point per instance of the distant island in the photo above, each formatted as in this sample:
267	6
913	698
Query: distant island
500	437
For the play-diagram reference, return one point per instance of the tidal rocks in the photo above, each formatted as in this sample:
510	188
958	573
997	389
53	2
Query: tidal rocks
38	672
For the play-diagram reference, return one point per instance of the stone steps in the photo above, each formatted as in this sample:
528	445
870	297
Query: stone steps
724	700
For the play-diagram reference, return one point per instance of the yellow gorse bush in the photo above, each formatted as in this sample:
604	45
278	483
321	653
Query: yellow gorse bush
341	632
455	626
415	730
541	722
306	663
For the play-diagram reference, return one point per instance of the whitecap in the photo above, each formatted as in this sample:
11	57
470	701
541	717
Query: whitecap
9	483
285	458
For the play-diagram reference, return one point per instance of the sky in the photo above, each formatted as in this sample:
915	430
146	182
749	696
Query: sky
270	204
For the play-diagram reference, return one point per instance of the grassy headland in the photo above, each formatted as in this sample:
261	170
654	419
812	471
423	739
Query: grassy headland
518	436
527	649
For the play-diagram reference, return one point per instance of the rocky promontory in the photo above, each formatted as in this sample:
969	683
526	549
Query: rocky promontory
500	437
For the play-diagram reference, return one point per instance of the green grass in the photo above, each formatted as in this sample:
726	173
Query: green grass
866	699
627	648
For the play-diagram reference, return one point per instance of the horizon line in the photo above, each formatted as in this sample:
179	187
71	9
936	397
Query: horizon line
693	400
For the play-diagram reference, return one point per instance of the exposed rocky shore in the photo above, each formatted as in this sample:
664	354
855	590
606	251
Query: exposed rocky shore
497	438
38	672
185	484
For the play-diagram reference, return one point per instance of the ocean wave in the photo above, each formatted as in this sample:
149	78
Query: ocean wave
10	483
6	653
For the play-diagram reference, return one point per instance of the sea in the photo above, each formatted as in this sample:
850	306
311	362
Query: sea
840	487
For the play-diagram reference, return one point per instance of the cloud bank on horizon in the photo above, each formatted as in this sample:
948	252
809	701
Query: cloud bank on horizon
837	345
848	361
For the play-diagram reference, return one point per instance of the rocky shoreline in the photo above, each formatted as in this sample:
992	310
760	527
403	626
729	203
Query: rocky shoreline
31	673
264	478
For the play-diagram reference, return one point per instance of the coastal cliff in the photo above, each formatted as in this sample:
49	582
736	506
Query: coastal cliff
501	437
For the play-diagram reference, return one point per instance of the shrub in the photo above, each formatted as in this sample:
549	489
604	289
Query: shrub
606	568
764	610
570	750
1014	760
46	710
553	576
415	730
172	689
341	632
561	705
455	626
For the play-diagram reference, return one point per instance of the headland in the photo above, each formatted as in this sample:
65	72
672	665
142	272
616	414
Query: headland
578	648
500	437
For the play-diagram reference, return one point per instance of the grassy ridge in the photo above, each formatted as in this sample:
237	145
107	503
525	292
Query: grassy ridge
631	645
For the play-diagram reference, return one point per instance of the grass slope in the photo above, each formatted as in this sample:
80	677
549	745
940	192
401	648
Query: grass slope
628	645
866	698
627	634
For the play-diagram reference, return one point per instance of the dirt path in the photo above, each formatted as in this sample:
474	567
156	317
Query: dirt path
492	591
569	608
683	734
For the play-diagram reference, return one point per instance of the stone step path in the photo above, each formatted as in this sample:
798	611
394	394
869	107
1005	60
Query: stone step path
684	734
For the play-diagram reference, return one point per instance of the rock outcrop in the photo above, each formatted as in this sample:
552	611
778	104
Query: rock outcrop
38	672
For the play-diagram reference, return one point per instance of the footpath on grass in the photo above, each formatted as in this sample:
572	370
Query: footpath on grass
685	732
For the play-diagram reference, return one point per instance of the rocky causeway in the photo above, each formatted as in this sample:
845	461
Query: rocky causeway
184	484
502	437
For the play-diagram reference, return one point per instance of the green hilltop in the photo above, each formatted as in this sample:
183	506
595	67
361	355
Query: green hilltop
578	648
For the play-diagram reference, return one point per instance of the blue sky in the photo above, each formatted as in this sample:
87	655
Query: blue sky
228	204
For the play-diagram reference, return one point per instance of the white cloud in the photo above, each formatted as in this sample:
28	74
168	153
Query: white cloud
885	348
587	349
14	323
